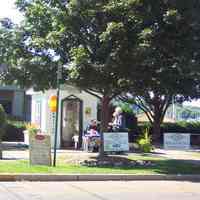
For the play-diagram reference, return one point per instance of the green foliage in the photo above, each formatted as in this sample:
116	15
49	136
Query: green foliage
145	142
179	127
13	133
33	129
14	129
126	107
165	54
16	122
2	121
142	126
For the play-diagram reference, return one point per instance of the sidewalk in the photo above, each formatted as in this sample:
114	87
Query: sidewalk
187	156
16	151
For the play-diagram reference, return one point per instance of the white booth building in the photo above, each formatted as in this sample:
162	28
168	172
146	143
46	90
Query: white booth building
76	109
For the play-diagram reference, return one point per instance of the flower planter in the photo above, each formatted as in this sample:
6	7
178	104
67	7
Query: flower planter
26	137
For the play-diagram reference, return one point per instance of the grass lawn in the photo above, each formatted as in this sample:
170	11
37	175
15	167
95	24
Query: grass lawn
162	166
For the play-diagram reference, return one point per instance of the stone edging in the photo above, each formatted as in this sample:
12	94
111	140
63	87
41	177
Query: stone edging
95	177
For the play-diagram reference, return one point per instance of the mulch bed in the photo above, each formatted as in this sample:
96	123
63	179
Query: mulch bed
115	161
93	160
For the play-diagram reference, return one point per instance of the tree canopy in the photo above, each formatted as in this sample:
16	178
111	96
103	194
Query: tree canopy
167	67
145	48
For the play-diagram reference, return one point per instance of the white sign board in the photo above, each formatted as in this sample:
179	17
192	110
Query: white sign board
177	141
114	141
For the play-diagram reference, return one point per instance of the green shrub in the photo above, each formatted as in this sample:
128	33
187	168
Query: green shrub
13	133
144	142
179	127
14	129
142	126
16	122
2	121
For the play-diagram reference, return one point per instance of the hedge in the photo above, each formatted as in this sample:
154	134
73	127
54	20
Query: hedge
3	121
179	127
14	130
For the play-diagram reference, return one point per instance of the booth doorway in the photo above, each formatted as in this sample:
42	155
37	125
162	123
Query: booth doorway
71	120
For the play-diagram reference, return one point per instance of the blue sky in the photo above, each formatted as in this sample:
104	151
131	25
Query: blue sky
8	9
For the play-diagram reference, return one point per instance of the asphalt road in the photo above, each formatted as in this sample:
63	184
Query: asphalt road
133	190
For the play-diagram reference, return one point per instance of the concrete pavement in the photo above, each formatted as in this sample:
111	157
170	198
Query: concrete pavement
142	190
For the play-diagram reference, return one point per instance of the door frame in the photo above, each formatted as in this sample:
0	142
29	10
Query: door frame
72	98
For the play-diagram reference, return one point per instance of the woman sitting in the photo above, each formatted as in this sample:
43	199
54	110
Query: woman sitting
91	137
92	129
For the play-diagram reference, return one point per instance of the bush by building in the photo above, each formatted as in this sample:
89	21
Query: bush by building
14	130
2	121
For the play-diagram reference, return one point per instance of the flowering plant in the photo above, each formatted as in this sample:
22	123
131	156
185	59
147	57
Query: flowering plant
32	128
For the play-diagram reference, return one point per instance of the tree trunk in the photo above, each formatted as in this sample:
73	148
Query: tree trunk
1	150
104	119
157	115
156	131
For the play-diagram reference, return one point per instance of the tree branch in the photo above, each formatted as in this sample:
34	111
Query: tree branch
165	107
94	94
146	113
141	106
145	107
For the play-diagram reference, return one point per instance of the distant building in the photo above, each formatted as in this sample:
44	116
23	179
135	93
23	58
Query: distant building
176	113
143	118
15	102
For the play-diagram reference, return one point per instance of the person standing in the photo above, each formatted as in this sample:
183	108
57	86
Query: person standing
118	123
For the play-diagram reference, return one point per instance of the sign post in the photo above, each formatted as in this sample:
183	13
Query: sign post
54	107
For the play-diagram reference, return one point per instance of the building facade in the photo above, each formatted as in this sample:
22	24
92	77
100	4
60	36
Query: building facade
76	109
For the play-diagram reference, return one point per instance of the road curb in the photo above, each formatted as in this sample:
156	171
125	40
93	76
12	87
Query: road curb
95	177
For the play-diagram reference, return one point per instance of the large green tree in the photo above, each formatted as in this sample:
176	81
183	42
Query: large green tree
167	68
